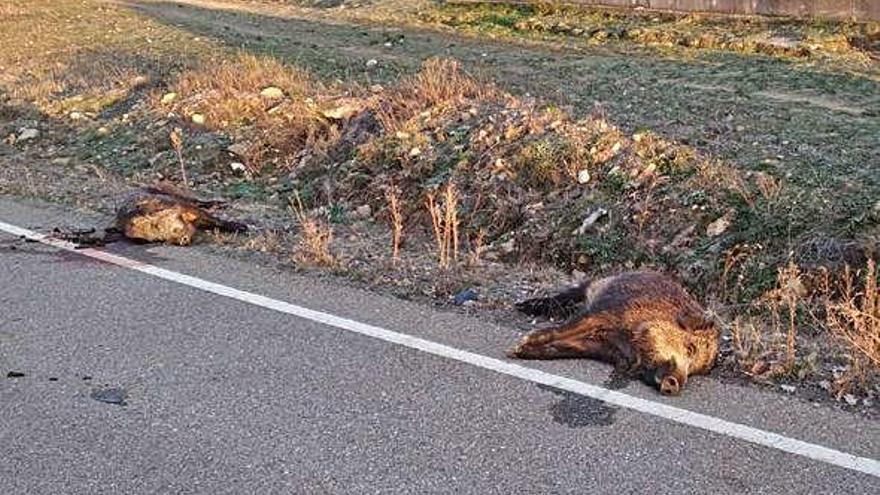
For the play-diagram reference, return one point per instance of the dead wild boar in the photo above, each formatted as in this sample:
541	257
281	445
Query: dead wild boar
163	213
643	322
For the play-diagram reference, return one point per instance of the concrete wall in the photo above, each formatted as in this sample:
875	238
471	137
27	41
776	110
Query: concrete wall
837	9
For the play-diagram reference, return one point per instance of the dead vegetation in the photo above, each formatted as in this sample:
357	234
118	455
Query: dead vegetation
316	238
396	219
444	224
854	318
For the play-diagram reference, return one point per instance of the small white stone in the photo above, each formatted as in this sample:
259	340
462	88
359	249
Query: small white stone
76	116
788	388
237	167
272	92
583	176
168	98
718	227
509	246
27	134
363	211
372	63
198	118
415	152
342	112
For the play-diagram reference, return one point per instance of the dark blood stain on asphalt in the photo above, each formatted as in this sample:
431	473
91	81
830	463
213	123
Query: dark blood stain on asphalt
115	396
577	411
14	374
87	378
53	378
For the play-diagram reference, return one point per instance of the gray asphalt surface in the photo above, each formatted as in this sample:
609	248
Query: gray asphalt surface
225	397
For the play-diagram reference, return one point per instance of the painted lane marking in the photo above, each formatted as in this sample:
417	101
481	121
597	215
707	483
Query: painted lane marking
667	412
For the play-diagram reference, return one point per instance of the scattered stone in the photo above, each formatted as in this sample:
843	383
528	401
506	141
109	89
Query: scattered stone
139	80
377	88
27	133
372	63
718	227
114	396
825	384
272	92
238	149
583	176
850	399
588	222
76	116
508	246
465	296
415	152
788	388
14	374
168	98
342	112
198	118
62	161
363	211
103	131
237	167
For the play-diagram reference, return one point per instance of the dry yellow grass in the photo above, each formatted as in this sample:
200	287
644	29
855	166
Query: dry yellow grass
316	237
445	224
269	108
854	318
439	85
392	196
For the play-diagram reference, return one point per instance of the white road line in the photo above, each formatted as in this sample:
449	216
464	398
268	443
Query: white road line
671	413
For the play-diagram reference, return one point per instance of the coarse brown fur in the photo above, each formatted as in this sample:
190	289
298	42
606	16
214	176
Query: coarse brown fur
162	213
642	321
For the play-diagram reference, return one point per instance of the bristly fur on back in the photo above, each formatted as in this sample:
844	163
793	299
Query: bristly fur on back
642	321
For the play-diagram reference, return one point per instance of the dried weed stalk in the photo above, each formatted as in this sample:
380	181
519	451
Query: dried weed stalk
855	319
392	195
177	144
316	237
444	221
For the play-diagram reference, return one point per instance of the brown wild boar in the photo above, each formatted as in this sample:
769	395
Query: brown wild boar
642	321
163	213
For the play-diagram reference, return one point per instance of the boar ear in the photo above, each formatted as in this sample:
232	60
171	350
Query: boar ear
695	321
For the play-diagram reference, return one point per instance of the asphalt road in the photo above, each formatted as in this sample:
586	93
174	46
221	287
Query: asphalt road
222	396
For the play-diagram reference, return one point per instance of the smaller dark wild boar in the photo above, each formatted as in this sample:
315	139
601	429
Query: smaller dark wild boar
643	322
164	214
